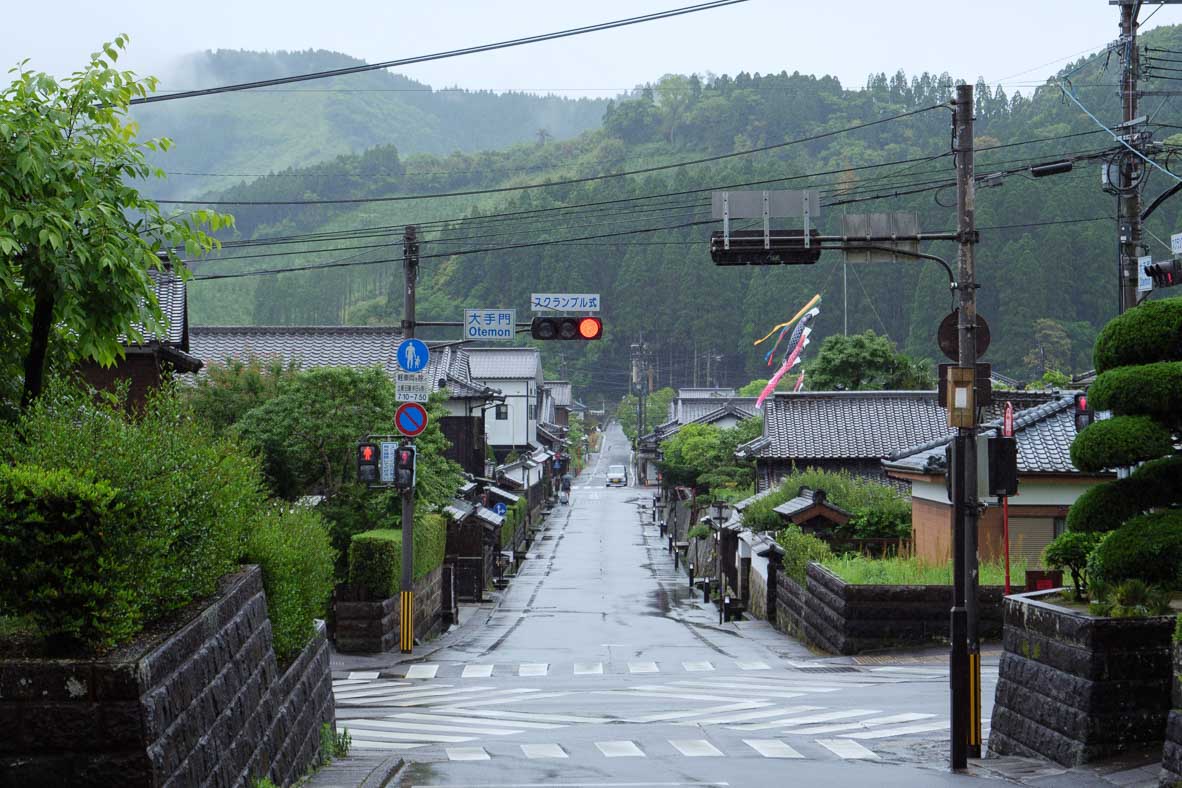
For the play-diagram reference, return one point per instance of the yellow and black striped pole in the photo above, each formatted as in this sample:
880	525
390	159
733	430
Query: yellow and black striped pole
407	619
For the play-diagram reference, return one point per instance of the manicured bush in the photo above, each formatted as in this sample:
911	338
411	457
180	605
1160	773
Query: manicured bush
1120	441
1152	332
65	557
1104	507
1147	389
863	570
375	557
799	550
1070	551
291	545
513	517
1148	548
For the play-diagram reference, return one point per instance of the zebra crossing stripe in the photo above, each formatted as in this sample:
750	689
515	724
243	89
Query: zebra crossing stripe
764	689
424	671
390	689
510	698
871	723
468	721
662	692
350	682
696	748
588	668
847	750
533	669
370	734
665	716
527	715
543	751
477	671
753	665
748	716
642	667
791	722
364	674
466	753
772	748
422	726
694	667
619	749
420	695
882	734
366	744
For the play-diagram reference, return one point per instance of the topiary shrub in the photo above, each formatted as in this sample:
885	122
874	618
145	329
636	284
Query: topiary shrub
1147	547
1119	442
1104	507
799	550
1152	332
1151	389
1070	551
291	546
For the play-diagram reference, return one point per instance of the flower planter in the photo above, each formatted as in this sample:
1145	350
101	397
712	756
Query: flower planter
364	625
1171	757
205	704
1076	688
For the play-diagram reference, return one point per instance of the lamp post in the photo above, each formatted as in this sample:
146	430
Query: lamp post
717	512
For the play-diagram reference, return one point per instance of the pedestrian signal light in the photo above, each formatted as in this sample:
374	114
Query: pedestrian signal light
368	457
1083	412
404	467
581	328
1166	273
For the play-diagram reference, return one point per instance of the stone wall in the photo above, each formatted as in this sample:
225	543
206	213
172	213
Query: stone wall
1171	757
206	706
1075	688
848	619
757	601
367	626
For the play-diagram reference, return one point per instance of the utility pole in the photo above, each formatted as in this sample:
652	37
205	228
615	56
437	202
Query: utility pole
965	657
1129	197
410	270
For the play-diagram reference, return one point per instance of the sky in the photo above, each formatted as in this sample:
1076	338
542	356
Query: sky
1017	43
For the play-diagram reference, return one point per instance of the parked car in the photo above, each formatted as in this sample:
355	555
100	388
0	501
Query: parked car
617	476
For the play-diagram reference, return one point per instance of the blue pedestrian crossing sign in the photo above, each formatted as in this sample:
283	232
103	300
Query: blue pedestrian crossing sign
500	508
413	355
410	419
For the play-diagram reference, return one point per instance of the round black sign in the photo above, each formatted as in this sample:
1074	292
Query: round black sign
948	337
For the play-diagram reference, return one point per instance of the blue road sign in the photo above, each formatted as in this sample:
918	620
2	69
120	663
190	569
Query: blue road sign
413	355
410	419
500	508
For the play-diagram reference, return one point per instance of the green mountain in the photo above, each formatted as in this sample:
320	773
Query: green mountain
1046	262
270	130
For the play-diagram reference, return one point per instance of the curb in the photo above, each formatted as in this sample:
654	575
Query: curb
384	772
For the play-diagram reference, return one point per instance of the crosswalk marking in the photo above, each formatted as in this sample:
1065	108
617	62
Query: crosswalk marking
588	668
848	750
696	748
763	689
665	716
367	744
466	754
621	749
532	669
350	682
408	697
415	725
723	687
871	723
380	735
543	751
364	674
642	667
753	665
663	692
424	671
510	699
470	722
525	715
747	716
694	667
790	722
477	671
882	734
772	748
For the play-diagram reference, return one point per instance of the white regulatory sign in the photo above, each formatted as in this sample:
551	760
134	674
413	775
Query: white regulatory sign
1176	243
386	461
495	324
412	387
1144	281
564	302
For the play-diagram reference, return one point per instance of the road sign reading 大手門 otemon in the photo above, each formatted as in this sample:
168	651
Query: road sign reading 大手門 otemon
495	324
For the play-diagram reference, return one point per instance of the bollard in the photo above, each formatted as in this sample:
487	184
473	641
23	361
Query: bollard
706	590
670	543
724	613
676	556
662	526
691	576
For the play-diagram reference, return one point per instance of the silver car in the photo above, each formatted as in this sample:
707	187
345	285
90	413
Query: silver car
617	476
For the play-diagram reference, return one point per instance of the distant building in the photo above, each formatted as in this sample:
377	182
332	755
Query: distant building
512	425
721	412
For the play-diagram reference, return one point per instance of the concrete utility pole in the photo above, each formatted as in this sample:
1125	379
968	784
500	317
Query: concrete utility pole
1129	198
410	269
965	657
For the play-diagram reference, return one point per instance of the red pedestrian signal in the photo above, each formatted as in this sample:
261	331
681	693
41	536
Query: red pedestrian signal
1083	413
581	328
368	457
404	467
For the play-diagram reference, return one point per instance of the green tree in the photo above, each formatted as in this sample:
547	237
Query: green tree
228	391
703	456
77	239
865	362
1051	350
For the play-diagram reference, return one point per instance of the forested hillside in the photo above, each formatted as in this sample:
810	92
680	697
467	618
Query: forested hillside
1046	261
256	132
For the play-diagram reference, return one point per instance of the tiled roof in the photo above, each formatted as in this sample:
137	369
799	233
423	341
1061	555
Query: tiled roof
494	363
743	504
739	407
504	495
560	390
170	294
691	410
800	503
1044	434
489	516
703	393
459	510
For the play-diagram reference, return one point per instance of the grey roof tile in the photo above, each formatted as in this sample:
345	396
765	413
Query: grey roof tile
171	295
560	390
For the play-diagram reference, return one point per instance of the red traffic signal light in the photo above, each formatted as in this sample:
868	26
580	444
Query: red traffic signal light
1166	273
404	467
582	328
1083	413
368	457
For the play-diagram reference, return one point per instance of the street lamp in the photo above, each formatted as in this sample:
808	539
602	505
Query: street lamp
718	511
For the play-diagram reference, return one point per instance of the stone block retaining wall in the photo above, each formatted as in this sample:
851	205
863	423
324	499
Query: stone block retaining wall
848	619
757	603
1171	757
207	706
1075	688
365	626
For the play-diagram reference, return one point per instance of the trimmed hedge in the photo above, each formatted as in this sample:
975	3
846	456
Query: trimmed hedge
292	547
1120	441
1148	548
512	519
1150	333
375	557
799	549
1149	389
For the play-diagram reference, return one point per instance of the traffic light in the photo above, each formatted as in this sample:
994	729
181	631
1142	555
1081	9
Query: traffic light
368	458
404	467
582	328
783	247
1166	273
1083	412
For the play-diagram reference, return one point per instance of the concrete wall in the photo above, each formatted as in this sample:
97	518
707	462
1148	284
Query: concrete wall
1074	688
206	706
365	626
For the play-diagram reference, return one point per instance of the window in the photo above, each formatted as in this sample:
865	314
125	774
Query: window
502	412
1060	526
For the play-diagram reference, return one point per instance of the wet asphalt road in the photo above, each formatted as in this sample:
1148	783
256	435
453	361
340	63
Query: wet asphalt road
600	668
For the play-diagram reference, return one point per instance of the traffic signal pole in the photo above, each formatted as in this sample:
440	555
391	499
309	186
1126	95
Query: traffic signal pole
1129	199
406	597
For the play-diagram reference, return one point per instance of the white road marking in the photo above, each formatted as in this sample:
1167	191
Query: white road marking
696	748
761	688
588	668
466	754
533	669
543	751
364	674
350	682
772	748
753	665
510	699
477	671
791	722
391	689
371	734
619	749
526	715
466	720
882	734
875	722
847	750
424	671
412	698
697	666
366	744
763	713
914	671
415	725
642	667
664	692
673	715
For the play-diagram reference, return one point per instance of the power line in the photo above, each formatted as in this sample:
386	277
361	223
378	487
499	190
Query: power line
338	72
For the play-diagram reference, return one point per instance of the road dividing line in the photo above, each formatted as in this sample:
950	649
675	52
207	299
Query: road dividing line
848	750
772	748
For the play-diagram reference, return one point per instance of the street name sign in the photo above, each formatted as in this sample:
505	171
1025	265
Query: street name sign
410	419
564	302
493	324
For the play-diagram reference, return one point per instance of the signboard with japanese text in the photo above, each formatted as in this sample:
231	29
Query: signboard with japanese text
490	324
412	387
564	302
